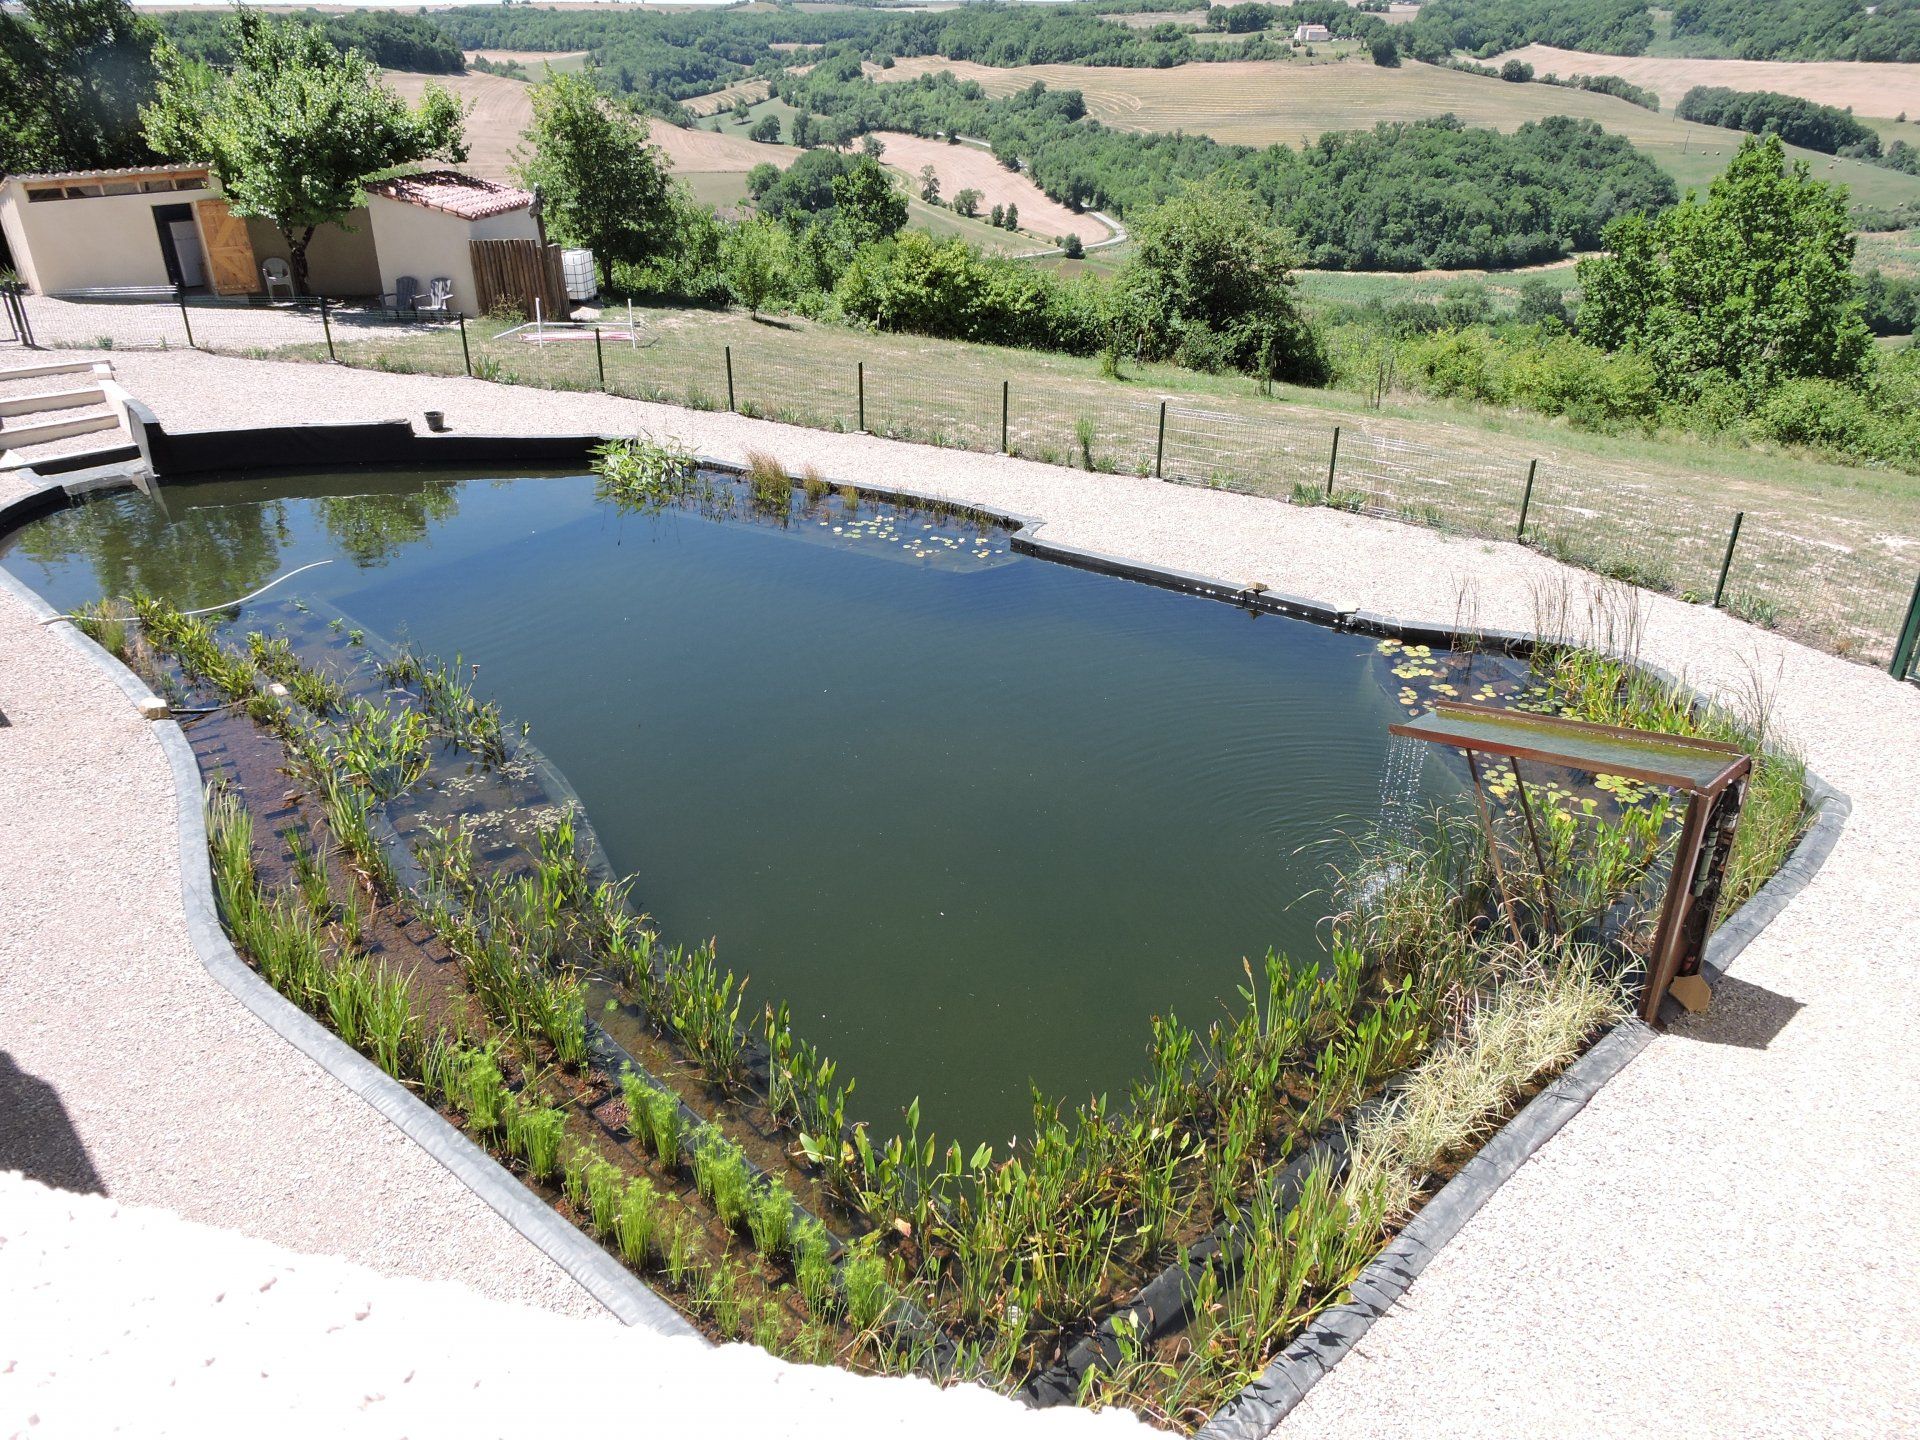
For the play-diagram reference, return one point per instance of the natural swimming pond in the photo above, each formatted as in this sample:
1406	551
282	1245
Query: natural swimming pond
976	815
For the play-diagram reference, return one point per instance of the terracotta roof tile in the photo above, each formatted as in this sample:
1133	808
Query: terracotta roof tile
467	196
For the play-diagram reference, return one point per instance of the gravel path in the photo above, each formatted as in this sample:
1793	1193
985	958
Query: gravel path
1721	1242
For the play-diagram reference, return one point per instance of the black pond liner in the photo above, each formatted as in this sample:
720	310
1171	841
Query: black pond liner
1160	1306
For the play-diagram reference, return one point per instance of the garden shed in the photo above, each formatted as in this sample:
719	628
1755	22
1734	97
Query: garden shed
425	225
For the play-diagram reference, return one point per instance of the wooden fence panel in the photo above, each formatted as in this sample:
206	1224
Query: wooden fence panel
514	273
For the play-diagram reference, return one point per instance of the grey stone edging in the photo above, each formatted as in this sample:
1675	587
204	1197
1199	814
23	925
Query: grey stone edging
598	1273
1262	1405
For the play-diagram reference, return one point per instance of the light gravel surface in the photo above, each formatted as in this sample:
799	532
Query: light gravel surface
148	1326
1721	1243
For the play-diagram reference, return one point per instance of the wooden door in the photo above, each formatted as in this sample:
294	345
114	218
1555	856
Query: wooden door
230	264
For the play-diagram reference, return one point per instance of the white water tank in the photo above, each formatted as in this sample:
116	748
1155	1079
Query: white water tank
576	267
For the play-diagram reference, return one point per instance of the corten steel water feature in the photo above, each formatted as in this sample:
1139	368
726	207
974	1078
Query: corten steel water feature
1711	773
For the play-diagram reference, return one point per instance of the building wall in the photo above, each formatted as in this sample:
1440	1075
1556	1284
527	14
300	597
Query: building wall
98	240
340	262
413	240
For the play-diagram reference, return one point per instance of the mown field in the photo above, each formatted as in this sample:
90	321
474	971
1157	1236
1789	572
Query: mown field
1868	90
1262	102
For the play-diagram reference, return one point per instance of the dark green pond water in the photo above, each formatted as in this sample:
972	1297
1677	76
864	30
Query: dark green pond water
976	815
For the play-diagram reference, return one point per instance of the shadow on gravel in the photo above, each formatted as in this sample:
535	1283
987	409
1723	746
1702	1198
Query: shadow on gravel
1741	1014
37	1138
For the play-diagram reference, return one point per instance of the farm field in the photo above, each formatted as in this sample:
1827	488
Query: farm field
1264	102
502	110
1877	90
962	166
537	62
752	91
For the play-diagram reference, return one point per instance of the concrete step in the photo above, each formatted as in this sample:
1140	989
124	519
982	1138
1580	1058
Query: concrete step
57	457
49	367
38	402
83	421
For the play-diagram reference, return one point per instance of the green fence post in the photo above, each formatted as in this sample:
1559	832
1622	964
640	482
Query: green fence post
600	357
466	355
1526	504
1909	638
180	294
1333	460
1726	563
730	405
860	384
327	325
1005	389
1160	442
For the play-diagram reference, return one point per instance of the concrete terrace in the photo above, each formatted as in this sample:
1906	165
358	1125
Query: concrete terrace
1721	1242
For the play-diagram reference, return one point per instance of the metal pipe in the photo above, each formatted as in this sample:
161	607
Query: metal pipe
1333	460
1160	442
730	405
1526	503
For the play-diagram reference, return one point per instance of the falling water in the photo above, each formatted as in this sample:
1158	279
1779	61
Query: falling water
1400	786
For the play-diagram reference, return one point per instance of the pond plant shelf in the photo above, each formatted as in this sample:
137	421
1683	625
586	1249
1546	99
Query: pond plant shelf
1712	774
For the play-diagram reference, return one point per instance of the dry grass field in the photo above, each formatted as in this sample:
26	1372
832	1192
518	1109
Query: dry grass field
960	167
1264	102
1879	90
752	91
564	62
502	110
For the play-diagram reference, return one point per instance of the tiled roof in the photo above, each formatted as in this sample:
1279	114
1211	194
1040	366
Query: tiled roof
467	196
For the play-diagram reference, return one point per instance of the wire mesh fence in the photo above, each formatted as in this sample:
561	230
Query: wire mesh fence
1837	582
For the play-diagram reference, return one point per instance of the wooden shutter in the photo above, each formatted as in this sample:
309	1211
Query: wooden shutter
230	264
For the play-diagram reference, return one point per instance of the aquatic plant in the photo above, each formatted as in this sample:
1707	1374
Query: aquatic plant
654	1115
642	470
636	1221
769	1218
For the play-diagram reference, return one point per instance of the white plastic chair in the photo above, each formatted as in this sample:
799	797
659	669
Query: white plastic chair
438	298
278	274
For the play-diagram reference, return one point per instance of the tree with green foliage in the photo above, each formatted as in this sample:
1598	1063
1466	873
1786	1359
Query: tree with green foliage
755	254
929	185
73	76
1012	218
296	127
1210	285
766	130
865	195
966	202
601	184
1755	282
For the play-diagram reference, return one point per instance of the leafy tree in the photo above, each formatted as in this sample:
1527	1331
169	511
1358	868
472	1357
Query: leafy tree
1210	284
1755	281
997	217
804	135
742	113
296	127
1012	219
1826	128
966	202
601	184
73	76
1516	72
756	256
866	197
1386	52
1072	246
929	185
1541	303
766	130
